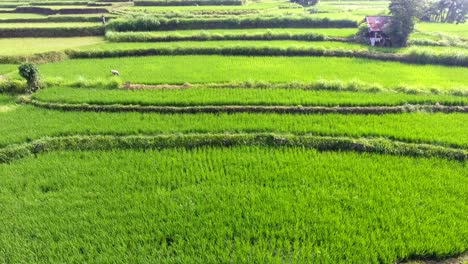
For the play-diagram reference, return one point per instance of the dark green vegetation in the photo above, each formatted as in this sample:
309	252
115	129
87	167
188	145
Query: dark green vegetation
229	132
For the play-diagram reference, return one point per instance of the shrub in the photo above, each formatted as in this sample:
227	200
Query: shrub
12	86
31	73
204	36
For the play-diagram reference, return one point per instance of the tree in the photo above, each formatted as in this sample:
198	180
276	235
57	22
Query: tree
404	14
447	11
31	74
305	2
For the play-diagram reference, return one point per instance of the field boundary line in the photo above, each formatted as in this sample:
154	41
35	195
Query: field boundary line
375	110
321	143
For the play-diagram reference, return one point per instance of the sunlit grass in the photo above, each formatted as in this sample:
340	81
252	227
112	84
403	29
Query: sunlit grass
241	205
216	69
26	46
29	123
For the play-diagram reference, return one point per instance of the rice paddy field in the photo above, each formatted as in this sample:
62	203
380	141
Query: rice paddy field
223	69
259	132
28	46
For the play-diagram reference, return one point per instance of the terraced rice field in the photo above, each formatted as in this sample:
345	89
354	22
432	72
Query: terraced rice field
28	46
175	70
188	153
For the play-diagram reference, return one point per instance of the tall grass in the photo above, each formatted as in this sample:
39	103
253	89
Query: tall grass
223	69
189	3
143	36
415	56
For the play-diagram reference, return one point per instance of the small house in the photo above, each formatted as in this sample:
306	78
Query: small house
376	35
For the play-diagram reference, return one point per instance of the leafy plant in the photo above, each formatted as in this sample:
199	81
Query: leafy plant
31	73
404	13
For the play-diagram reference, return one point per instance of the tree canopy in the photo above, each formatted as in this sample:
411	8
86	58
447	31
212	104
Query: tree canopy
404	14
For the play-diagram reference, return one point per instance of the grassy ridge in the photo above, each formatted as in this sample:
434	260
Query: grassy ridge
150	23
239	96
218	69
25	123
243	204
145	36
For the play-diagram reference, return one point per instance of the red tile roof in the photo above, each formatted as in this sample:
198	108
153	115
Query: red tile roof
377	23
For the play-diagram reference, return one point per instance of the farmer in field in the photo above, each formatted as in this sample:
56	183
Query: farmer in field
103	20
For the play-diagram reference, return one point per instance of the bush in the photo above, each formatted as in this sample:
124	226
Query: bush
50	11
12	87
31	74
55	19
205	36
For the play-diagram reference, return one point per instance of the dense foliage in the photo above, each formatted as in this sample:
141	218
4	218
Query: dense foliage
447	11
149	23
31	73
404	13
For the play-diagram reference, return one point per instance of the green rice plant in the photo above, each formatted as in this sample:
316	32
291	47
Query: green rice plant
239	204
225	69
7	68
239	97
27	123
189	2
100	143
